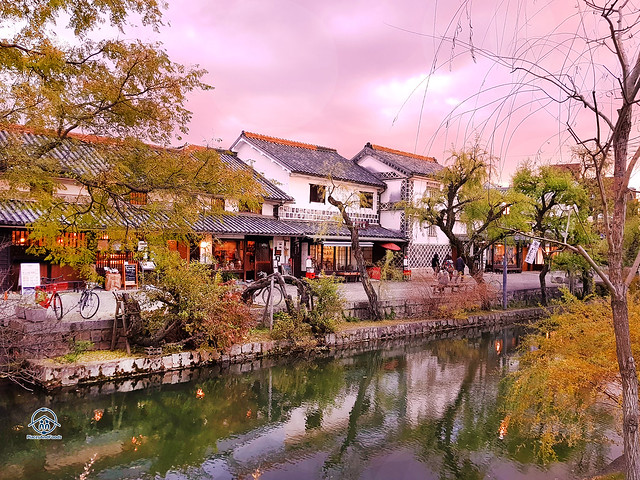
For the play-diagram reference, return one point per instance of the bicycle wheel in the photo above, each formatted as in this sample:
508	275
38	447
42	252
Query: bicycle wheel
89	304
56	304
276	298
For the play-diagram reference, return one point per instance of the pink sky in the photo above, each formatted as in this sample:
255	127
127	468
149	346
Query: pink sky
337	74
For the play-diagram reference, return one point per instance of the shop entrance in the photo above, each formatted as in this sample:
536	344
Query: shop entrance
263	257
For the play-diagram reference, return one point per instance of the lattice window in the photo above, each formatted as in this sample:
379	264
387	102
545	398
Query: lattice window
138	198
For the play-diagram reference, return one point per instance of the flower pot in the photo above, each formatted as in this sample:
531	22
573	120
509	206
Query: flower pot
374	273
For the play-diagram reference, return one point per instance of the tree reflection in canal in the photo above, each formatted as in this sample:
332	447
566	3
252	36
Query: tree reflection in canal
414	409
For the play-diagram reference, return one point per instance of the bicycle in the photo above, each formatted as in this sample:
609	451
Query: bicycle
88	303
54	301
276	296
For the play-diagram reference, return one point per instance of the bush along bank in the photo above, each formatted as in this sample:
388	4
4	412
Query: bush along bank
176	367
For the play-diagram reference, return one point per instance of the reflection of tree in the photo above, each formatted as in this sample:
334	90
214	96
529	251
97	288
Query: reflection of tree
360	407
377	390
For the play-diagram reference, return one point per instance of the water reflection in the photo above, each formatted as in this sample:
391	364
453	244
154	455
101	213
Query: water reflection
415	409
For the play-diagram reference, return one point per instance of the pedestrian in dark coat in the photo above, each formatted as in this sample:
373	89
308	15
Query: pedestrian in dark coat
460	266
435	262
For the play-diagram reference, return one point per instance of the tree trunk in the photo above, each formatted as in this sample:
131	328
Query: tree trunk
543	282
587	283
619	307
629	378
374	305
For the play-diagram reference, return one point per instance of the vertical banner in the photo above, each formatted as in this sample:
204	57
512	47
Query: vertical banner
533	250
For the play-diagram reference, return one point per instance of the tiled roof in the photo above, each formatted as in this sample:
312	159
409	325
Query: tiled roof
270	191
81	154
18	213
407	163
334	230
247	224
307	159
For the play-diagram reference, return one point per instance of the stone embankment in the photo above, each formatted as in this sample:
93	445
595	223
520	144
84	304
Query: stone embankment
141	372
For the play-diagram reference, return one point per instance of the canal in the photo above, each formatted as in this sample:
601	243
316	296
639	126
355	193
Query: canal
422	408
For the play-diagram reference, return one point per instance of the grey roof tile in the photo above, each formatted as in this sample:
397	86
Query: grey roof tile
312	159
247	225
82	157
407	163
333	229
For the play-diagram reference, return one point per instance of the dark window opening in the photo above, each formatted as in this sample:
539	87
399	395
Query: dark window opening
253	207
366	199
316	193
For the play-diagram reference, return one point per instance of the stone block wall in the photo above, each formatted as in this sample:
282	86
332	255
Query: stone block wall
51	338
178	367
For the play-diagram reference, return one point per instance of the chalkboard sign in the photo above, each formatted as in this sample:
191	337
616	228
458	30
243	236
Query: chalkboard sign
130	273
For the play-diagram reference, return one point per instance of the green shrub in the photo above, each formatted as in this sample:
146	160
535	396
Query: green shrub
327	307
77	348
286	327
196	307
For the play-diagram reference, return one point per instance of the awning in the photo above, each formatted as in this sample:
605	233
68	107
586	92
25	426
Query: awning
346	244
391	246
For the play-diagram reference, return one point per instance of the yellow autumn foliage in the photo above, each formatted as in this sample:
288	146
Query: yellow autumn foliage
567	371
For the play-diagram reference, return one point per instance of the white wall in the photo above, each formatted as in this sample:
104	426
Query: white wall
264	165
299	188
422	185
374	165
420	235
391	219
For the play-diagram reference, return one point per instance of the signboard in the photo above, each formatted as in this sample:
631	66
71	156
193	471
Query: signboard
130	273
142	246
533	250
29	277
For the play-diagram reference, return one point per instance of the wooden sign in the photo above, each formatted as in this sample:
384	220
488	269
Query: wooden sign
130	274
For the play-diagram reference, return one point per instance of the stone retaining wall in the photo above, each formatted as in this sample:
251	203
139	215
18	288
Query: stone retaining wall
175	368
51	338
428	306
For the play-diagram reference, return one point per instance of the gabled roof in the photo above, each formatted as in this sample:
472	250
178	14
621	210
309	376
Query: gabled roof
307	159
406	163
270	191
82	154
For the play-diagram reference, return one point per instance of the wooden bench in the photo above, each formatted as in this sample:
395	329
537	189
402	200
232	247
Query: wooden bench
348	276
440	288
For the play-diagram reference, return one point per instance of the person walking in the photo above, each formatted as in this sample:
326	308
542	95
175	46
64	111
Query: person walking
435	263
447	265
460	266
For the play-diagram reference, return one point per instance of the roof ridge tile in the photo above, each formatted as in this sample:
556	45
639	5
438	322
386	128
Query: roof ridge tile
400	152
289	143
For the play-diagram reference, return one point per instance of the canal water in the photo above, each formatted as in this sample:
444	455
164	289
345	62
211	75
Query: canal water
418	409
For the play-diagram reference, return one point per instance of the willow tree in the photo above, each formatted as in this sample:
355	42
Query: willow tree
336	197
583	70
79	105
468	209
554	195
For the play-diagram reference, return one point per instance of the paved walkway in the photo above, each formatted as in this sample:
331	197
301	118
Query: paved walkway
352	291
